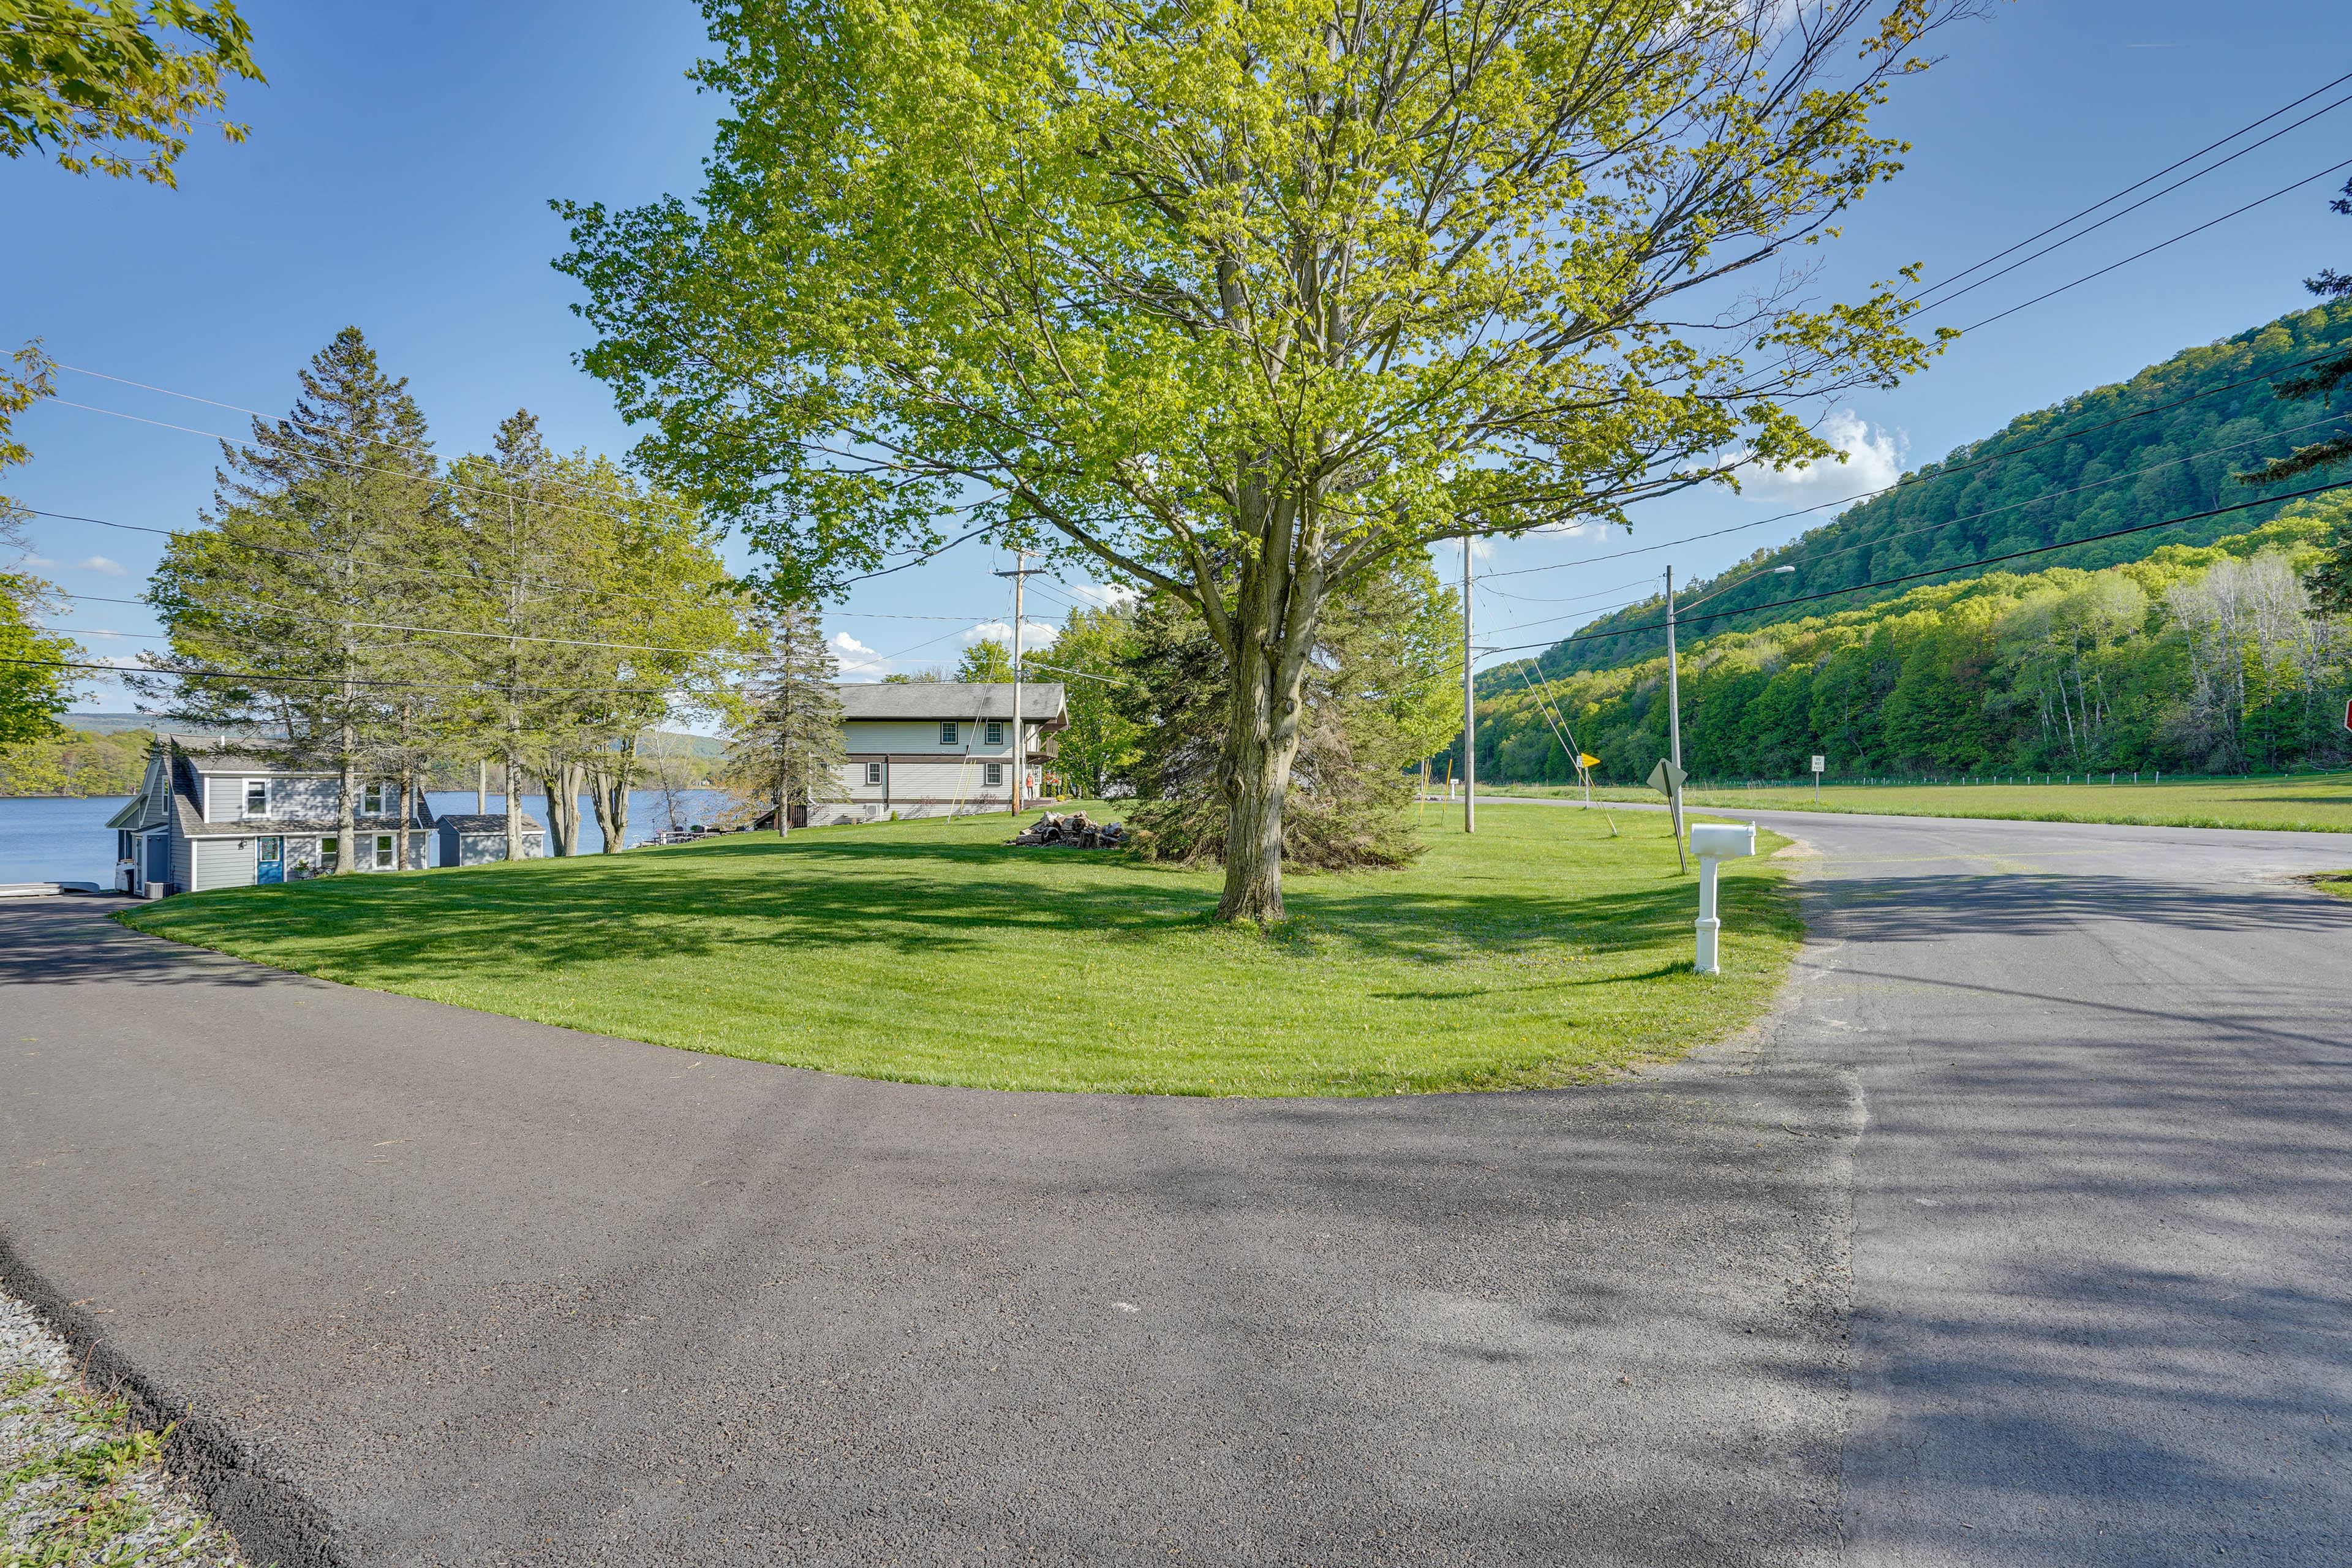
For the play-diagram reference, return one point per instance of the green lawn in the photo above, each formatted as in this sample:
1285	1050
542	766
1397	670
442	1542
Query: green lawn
2316	803
1542	951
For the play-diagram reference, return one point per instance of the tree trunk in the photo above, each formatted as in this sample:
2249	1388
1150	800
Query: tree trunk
608	789
1261	743
400	833
514	810
347	828
560	784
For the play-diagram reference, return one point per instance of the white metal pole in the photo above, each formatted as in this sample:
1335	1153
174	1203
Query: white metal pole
1709	926
1469	708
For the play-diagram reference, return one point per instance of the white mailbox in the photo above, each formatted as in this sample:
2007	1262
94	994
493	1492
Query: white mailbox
1713	841
1722	840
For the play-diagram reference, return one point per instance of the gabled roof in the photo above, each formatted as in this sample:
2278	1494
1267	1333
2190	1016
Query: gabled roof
214	754
491	822
965	700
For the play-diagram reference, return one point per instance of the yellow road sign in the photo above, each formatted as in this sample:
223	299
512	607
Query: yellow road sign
1587	760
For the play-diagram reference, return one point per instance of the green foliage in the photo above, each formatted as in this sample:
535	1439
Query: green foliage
2034	484
110	87
362	606
34	688
1091	658
1240	300
76	763
2198	657
1378	693
986	659
790	750
1542	952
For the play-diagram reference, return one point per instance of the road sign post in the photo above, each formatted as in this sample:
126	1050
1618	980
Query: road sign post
1667	780
1821	764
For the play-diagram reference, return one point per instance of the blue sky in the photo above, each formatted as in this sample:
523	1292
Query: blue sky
402	159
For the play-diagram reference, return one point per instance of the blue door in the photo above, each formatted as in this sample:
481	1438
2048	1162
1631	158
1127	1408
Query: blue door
269	863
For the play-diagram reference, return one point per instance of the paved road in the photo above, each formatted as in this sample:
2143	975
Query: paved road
443	1287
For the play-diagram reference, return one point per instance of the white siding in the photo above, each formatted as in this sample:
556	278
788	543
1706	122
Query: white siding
874	737
223	863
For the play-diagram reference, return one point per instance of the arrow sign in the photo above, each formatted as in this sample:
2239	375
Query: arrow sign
1666	778
1587	760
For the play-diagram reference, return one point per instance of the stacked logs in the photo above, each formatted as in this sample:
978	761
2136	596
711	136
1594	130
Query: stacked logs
1073	830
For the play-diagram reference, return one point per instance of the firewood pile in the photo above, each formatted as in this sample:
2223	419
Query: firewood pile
1073	830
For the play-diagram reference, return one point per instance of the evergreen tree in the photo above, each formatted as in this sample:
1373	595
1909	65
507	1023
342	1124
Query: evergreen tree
790	750
1379	694
285	610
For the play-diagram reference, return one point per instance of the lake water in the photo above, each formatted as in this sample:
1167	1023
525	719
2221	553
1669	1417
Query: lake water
45	840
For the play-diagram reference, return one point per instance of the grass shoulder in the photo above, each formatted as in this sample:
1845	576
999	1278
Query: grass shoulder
2314	803
1543	950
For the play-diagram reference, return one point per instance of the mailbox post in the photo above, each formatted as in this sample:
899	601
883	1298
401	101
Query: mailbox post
1711	842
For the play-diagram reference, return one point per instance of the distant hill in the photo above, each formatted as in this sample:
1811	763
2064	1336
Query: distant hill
111	723
2084	467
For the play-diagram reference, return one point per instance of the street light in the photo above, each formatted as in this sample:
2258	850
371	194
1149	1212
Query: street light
1675	689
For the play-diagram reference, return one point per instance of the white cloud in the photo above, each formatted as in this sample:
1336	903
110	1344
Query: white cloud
1034	633
1103	596
100	563
39	560
858	662
1873	461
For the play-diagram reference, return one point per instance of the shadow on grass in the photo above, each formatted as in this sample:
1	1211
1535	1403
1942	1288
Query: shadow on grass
755	901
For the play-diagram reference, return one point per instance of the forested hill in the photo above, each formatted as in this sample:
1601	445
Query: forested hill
2160	445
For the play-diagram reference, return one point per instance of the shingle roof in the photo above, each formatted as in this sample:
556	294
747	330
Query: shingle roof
1041	701
208	755
492	822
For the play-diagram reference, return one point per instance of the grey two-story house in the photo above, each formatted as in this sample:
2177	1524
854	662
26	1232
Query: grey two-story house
211	815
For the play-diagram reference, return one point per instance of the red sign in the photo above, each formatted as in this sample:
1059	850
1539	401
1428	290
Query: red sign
2347	715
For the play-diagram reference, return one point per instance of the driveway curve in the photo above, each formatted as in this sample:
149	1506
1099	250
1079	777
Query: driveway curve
428	1286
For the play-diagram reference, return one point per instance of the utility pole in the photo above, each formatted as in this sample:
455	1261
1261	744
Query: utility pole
1673	707
1469	708
1020	576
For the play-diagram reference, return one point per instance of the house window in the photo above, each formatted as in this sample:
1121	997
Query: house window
873	775
121	844
995	774
948	734
329	850
372	801
996	732
383	851
257	798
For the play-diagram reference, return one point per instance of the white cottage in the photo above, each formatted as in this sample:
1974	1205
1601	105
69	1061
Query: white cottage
939	748
209	815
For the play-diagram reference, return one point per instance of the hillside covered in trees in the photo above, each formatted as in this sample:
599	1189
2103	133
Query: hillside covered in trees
2163	444
2206	658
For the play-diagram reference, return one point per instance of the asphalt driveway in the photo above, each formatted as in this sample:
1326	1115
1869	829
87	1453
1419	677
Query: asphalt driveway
427	1285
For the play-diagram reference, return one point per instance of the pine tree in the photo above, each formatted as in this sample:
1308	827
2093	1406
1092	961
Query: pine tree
791	749
284	611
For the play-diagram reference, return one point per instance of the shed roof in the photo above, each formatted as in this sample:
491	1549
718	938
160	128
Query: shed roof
491	822
1041	701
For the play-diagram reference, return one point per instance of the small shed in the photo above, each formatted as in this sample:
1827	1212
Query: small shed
477	840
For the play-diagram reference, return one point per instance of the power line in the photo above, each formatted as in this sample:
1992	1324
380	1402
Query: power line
240	678
2127	190
1943	471
1933	570
462	576
2151	250
1974	516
